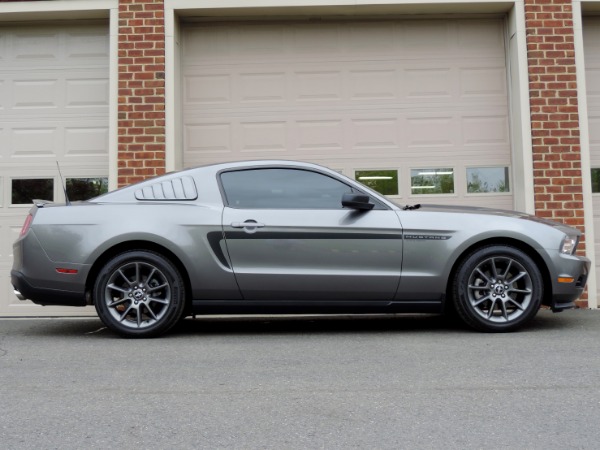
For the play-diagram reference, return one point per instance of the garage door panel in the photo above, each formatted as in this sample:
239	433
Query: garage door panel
345	85
53	107
353	95
86	140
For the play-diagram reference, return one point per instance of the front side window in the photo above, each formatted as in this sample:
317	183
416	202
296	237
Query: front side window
282	189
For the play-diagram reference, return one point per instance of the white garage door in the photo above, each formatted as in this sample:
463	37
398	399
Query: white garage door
53	107
591	41
416	108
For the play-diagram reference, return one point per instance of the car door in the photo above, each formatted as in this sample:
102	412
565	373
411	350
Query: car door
289	238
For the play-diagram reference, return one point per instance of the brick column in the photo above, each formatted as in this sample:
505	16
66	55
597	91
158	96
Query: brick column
141	151
554	112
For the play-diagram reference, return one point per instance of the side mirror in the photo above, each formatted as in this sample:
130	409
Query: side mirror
357	201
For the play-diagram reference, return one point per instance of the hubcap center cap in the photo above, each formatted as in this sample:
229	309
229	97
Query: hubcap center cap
499	290
138	295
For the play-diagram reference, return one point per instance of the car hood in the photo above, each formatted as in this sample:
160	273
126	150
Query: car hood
492	212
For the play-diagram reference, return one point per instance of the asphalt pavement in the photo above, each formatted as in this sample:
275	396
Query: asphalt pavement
294	383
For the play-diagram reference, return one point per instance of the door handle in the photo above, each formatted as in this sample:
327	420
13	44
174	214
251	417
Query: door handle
249	226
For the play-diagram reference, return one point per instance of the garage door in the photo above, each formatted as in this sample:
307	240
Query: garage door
591	42
53	108
416	108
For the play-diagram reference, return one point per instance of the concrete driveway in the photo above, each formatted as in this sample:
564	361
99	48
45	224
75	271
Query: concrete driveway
291	383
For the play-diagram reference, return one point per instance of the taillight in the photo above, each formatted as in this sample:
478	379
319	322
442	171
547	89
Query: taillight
26	225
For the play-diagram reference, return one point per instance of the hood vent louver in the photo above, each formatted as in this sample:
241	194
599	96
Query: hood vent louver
182	188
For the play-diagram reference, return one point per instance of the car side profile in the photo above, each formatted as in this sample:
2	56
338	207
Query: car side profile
289	237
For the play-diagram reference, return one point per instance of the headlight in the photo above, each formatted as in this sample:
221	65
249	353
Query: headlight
569	244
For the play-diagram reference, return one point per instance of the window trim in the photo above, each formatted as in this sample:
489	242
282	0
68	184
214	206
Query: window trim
379	205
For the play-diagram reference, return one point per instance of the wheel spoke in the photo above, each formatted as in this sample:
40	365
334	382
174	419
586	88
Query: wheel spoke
151	275
481	300
150	312
519	291
506	272
117	288
483	275
519	306
125	277
119	302
491	310
138	278
158	300
503	310
124	315
516	278
494	269
154	288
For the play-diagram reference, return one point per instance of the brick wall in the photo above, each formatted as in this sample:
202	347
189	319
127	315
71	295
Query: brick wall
141	144
554	112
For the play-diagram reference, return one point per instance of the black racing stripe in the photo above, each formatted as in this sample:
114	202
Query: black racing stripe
304	235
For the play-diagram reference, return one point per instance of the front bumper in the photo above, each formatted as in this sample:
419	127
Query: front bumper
24	290
565	294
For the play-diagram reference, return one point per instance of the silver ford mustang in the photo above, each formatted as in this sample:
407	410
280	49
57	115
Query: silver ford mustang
289	237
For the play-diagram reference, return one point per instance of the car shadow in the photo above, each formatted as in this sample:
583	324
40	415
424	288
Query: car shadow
329	324
284	325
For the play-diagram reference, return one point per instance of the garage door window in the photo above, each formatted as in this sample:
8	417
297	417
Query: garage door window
433	180
487	180
86	188
24	191
282	189
382	181
596	180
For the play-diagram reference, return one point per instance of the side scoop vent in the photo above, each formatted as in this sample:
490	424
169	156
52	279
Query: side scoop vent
182	188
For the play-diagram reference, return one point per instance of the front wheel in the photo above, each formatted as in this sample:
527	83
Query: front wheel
139	294
497	288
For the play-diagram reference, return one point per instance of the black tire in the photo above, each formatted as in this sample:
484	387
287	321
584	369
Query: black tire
497	288
139	294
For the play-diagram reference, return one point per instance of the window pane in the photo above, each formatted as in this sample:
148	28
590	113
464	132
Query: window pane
432	181
282	189
383	181
86	188
25	191
596	180
487	179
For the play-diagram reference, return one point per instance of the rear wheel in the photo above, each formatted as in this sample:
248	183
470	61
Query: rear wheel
497	288
139	294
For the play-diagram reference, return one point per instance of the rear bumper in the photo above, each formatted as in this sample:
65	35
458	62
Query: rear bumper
24	290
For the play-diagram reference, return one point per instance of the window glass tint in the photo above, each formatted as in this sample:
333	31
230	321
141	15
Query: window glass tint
487	179
383	181
24	191
282	189
86	188
432	181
